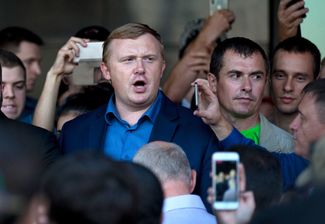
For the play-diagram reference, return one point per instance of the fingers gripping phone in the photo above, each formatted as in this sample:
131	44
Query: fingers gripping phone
87	72
294	2
225	180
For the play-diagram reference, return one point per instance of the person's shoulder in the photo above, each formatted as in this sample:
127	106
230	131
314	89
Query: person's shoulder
270	126
87	118
275	138
184	114
23	127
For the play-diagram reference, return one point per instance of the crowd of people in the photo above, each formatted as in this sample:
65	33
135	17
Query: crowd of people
125	150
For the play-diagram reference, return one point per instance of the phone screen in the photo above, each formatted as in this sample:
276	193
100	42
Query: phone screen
218	5
226	187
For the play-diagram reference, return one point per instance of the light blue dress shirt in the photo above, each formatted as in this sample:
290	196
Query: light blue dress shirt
187	209
123	140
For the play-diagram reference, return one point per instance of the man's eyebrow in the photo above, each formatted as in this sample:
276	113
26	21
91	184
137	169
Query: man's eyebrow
234	71
278	70
257	73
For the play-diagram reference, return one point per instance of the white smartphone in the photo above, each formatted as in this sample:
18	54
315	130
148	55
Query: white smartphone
225	180
218	5
93	52
88	71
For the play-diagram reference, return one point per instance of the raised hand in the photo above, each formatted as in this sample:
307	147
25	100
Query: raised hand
63	63
289	18
209	107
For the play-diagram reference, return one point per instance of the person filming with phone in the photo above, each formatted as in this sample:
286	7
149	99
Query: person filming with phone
170	164
197	42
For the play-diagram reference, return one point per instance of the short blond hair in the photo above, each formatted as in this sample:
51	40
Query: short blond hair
130	31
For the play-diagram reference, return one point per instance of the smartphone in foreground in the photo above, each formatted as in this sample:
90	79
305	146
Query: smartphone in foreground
225	180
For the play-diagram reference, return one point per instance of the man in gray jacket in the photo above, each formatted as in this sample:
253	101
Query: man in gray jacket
239	70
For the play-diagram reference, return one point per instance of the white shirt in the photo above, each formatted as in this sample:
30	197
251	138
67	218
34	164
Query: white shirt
186	209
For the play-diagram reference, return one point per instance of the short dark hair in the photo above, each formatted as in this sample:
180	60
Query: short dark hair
150	193
240	45
10	60
94	32
11	37
130	31
263	174
90	99
87	188
301	45
317	89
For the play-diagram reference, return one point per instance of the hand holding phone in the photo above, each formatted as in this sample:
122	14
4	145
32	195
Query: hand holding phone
225	180
93	52
87	72
292	2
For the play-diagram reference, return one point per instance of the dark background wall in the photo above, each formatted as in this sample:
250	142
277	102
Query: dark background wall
56	20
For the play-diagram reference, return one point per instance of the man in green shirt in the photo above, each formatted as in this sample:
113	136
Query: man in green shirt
239	70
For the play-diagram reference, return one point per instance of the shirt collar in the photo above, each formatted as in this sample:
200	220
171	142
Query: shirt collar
183	201
151	113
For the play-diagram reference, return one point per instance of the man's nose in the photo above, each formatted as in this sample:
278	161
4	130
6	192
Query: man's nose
140	66
8	92
247	84
288	85
294	125
36	68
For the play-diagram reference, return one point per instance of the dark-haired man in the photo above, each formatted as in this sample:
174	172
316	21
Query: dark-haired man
296	62
239	70
13	84
27	46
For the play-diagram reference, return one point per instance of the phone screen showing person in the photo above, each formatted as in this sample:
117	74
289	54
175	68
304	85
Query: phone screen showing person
226	182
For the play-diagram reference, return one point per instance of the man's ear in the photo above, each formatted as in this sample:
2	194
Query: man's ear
105	71
163	69
212	82
193	180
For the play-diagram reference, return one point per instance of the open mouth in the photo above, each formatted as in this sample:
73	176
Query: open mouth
139	83
140	86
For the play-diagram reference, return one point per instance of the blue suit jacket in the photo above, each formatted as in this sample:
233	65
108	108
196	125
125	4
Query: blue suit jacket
173	124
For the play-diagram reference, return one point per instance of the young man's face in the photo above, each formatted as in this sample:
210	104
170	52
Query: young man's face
13	91
241	84
30	54
290	73
135	67
306	127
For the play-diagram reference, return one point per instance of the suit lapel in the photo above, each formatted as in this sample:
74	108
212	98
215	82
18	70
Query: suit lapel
166	122
97	130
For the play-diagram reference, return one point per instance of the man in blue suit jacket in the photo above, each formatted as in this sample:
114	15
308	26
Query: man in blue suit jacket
138	112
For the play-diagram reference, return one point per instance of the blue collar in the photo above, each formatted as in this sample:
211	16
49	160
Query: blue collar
151	113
